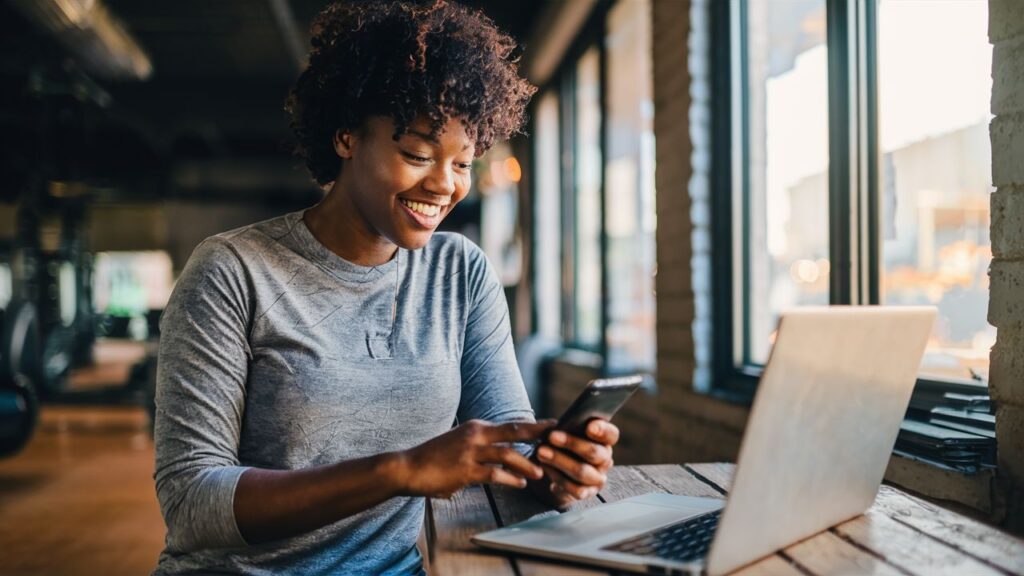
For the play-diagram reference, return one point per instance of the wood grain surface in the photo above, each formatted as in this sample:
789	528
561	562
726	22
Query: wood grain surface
899	534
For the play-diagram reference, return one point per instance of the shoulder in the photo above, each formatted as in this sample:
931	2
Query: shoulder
213	256
454	252
461	257
257	237
235	250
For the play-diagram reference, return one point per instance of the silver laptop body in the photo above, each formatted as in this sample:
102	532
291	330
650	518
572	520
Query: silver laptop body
820	433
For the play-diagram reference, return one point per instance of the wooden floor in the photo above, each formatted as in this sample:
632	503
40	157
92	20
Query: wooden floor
79	499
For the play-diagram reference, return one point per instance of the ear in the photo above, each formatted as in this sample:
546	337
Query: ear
343	144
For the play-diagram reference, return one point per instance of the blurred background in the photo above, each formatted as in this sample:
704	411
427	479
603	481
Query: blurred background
691	168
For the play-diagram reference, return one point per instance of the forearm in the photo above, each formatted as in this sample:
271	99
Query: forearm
275	504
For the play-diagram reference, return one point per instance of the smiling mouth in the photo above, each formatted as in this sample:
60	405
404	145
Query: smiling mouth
429	210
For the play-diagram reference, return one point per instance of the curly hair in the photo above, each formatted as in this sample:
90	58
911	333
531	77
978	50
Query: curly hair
439	60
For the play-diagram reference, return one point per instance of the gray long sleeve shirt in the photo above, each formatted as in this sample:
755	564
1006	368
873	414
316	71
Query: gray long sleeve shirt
275	353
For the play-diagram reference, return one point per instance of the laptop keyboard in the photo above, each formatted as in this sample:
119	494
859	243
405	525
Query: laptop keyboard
684	541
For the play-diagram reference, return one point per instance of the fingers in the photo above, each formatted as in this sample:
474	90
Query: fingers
581	472
590	452
516	431
511	460
562	484
499	475
603	432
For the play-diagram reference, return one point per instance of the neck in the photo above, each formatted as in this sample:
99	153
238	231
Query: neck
337	224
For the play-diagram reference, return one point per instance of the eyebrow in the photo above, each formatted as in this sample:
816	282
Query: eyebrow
431	139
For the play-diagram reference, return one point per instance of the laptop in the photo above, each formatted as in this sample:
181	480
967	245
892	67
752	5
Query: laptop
822	427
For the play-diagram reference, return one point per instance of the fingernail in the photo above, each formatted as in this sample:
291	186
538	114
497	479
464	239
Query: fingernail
544	453
591	492
557	438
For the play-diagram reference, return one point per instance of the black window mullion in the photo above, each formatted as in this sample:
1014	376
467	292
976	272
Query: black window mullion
853	151
567	164
870	68
841	144
602	83
742	78
720	72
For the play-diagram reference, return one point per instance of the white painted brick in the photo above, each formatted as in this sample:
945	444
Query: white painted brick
701	269
1007	134
1005	19
1008	222
700	242
1008	76
1006	297
700	214
1006	370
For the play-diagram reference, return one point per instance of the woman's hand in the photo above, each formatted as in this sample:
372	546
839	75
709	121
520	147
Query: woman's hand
475	452
578	467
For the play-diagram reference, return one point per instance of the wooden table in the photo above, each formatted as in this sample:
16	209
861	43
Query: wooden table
900	534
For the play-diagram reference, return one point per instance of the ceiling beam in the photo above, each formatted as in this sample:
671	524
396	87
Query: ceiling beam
554	32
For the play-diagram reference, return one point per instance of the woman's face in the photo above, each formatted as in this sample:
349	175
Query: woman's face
403	189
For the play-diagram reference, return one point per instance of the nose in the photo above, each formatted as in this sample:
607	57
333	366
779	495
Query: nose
440	180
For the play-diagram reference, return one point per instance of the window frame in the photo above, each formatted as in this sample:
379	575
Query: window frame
853	178
562	82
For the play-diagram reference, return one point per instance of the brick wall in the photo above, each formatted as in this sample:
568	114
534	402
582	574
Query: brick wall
1006	300
692	427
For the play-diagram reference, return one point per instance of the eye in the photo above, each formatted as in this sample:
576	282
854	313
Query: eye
464	166
415	157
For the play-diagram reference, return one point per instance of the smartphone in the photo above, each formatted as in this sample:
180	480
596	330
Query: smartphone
602	398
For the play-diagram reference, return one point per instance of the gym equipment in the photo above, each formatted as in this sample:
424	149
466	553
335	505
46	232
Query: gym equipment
19	351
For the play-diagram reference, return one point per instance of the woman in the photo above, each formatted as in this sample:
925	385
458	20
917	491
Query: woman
311	366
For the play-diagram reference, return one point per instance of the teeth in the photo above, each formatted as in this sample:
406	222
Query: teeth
425	209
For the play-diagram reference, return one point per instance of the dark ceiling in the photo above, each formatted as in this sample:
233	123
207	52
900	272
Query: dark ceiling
214	102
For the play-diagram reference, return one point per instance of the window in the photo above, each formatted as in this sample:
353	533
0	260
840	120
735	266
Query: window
547	214
587	201
855	142
593	148
935	159
785	105
629	181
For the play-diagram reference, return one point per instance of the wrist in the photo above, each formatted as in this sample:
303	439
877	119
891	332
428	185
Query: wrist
393	468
